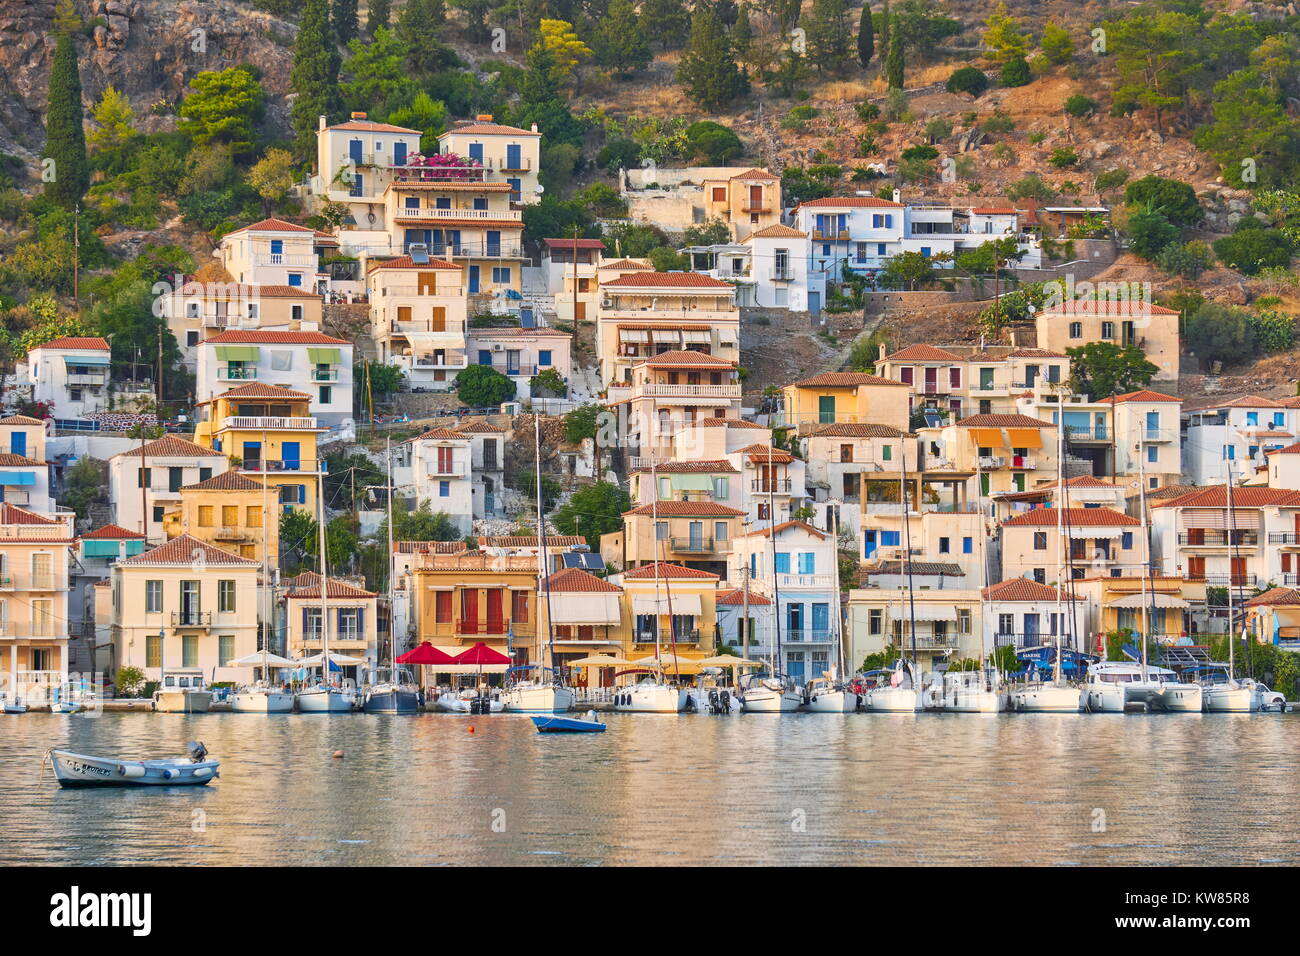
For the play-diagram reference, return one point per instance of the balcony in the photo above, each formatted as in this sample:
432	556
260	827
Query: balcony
928	642
681	637
434	174
451	358
1209	538
521	165
269	422
307	466
1077	433
325	375
1023	462
286	259
191	618
664	390
228	374
24	581
805	581
691	545
232	534
349	635
782	274
831	234
761	206
460	214
808	635
1223	580
94	380
423	291
991	462
1290	538
453	470
781	486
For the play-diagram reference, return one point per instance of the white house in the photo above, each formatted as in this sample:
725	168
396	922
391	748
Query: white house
1022	613
571	271
520	354
276	253
778	268
437	468
311	362
487	464
1240	432
772	483
70	373
513	154
24	470
418	313
145	482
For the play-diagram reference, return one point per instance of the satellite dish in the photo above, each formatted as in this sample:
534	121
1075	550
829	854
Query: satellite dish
539	189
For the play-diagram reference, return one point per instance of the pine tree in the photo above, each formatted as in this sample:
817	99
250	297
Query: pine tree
742	34
65	137
346	27
866	37
894	59
882	31
670	18
619	43
377	14
419	27
828	35
708	72
314	76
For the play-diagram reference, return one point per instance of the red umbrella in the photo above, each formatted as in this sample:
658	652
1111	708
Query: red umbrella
481	654
426	653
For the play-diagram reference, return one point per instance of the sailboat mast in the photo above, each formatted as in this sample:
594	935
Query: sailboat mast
771	533
264	603
907	563
392	562
1060	541
840	671
1147	610
654	518
543	572
1232	533
979	511
324	590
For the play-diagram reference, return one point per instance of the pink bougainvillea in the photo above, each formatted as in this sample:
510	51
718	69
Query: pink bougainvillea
441	166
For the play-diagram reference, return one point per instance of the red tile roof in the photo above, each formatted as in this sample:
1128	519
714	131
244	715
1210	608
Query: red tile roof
110	532
1003	421
430	547
1107	307
170	446
12	515
226	481
836	202
785	526
488	129
84	342
663	569
369	126
686	509
1072	517
1274	596
845	380
755	173
704	466
1288	450
307	585
405	262
438	434
684	357
1023	589
923	353
994	210
10	460
187	551
20	420
727	423
737	597
530	541
268	337
1243	401
261	390
486	428
1031	353
271	225
578	581
230	292
857	430
627	264
574	243
1216	496
777	231
667	280
765	454
1141	395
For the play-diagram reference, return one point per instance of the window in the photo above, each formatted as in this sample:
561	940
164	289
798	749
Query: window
442	607
543	358
190	650
205	516
1252	418
1153	454
783	562
444	489
153	597
945	546
1126	540
967	545
519	606
326	394
225	649
720	531
1006	623
1040	540
963	620
145	478
191	338
501	275
74	394
295	312
720	488
1076	330
875	620
1040	576
887	453
807	562
1108	330
157	513
226	596
661	530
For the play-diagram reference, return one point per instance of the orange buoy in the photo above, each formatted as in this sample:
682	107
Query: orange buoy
471	728
338	755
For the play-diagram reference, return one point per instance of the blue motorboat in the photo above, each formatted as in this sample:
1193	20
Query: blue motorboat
569	725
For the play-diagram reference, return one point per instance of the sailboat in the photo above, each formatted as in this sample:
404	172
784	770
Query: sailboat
1056	697
542	694
1230	696
976	692
325	697
393	693
831	694
903	694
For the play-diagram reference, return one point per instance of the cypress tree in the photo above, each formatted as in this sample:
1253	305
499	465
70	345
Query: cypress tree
708	70
866	37
882	34
894	60
314	76
420	27
65	137
346	27
377	14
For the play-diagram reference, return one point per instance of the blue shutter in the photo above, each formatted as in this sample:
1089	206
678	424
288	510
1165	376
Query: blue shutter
782	562
807	561
399	153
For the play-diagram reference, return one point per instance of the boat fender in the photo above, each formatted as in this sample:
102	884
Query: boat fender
132	772
169	774
202	771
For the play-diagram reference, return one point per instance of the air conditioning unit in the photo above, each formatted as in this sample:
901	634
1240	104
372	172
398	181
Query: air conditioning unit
498	347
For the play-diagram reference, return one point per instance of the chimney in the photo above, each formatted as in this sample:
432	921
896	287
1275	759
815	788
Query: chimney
483	118
882	352
359	115
898	196
1012	333
534	127
322	122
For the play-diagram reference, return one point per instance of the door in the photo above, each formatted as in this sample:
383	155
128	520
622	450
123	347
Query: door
354	152
292	455
1239	571
755	199
189	602
931	380
794	622
814	303
821	622
18	443
473	279
495	617
493	242
1196	568
469	610
513	159
439	321
579	311
252	454
512	362
1031	630
399	154
826	409
403	314
696	535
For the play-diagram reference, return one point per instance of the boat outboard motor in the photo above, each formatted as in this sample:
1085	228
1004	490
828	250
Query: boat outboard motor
197	751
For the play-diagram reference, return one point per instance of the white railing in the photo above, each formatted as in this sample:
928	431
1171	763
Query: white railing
454	470
227	374
422	291
658	390
511	215
286	259
818	581
98	378
268	421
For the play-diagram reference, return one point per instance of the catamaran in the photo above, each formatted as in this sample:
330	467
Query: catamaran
325	697
831	694
1230	695
903	693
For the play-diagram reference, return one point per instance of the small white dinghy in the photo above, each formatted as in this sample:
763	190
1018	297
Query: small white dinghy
83	770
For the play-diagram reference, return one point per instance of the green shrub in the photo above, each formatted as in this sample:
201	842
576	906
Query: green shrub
482	386
1080	105
1015	73
967	80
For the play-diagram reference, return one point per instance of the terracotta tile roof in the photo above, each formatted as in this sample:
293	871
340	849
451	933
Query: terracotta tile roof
1141	395
850	201
923	353
764	454
437	434
530	541
627	264
483	334
369	126
20	420
268	337
705	466
1023	589
430	547
784	526
1072	517
1216	496
85	342
226	481
1170	491
578	581
271	225
186	551
230	292
574	243
686	509
170	446
845	380
1106	307
307	585
994	210
480	427
12	515
1292	402
667	280
737	597
405	262
663	569
684	357
777	231
942	568
755	173
1243	401
1032	353
1274	596
1003	421
727	423
488	129
857	430
409	217
10	460
1288	450
111	532
261	390
1271	434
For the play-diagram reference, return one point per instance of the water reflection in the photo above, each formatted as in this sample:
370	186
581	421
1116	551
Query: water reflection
662	789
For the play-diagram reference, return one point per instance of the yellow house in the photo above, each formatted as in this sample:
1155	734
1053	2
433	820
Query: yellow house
185	607
461	599
34	555
511	154
834	398
582	615
746	202
1100	541
200	310
945	624
269	435
353	619
1009	452
232	512
676	602
1152	328
674	390
694	533
418	316
1123	603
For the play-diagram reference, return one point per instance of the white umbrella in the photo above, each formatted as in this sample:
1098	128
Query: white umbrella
342	660
262	660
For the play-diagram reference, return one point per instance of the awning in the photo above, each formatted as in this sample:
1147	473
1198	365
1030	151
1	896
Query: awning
931	612
633	335
238	353
692	482
1151	600
681	604
1084	532
666	335
696	338
17	477
987	437
323	356
1025	437
584	608
87	360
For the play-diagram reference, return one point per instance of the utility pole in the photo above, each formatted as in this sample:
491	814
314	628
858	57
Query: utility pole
573	256
76	256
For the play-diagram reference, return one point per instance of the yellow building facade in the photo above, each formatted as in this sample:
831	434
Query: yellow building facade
34	556
230	512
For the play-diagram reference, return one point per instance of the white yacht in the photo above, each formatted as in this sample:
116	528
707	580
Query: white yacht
1046	697
1112	687
902	695
770	695
261	697
1174	697
823	697
464	701
328	698
182	694
972	692
650	696
529	697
